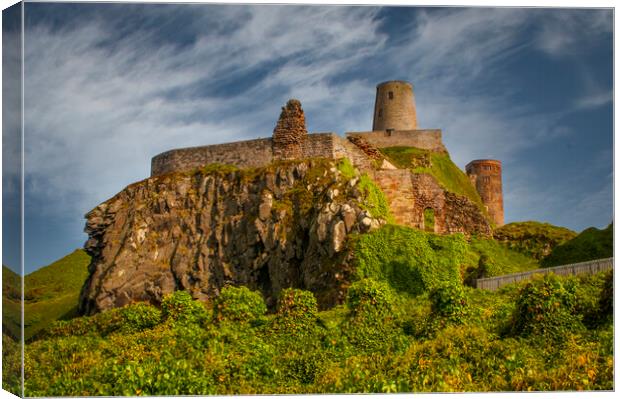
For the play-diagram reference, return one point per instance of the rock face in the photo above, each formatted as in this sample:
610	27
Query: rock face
285	225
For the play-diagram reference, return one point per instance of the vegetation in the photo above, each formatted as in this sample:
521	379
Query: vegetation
533	239
374	198
438	165
50	293
408	324
590	244
528	336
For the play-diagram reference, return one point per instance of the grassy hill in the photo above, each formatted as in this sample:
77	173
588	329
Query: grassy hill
50	293
533	239
590	244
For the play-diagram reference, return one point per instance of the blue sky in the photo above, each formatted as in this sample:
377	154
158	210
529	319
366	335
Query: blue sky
110	85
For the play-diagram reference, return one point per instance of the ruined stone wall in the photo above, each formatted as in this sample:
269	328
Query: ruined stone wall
398	189
290	132
486	176
427	139
319	145
243	154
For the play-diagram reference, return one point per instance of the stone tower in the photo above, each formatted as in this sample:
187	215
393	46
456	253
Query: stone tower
486	176
394	106
290	132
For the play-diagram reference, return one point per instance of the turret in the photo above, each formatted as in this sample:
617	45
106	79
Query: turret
394	106
486	176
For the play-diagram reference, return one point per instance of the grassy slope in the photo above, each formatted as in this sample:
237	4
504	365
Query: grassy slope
51	293
438	165
11	292
590	244
534	239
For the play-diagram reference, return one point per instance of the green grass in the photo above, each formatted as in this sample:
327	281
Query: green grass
438	165
499	259
534	239
590	244
50	293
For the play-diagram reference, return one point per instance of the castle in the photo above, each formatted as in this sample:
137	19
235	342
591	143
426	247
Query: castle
412	197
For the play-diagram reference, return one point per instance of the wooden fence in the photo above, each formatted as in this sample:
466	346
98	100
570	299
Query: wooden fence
589	267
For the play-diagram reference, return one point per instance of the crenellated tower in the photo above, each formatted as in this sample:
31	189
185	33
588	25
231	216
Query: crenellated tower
486	176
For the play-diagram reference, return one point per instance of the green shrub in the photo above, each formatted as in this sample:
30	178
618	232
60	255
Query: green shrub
181	307
371	324
448	302
545	307
370	298
139	317
296	313
409	260
239	304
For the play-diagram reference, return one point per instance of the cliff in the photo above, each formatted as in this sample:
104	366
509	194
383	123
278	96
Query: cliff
268	228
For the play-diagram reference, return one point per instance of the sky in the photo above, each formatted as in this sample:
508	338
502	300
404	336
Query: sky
108	86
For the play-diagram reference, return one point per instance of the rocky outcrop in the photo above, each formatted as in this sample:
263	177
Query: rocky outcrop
285	225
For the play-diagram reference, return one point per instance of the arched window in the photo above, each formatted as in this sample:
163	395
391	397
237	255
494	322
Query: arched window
390	95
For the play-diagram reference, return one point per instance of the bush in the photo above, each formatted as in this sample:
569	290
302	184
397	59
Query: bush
239	304
139	317
297	312
181	307
545	307
371	323
410	260
370	298
128	319
448	302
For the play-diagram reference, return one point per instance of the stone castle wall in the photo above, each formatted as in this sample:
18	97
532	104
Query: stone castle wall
426	139
244	154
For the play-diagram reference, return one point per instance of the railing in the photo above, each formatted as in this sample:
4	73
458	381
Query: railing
589	267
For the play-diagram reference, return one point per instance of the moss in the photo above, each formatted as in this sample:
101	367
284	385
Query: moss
531	238
374	199
346	168
429	220
590	244
438	165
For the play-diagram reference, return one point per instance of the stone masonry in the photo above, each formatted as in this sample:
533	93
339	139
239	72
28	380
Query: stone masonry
290	132
486	176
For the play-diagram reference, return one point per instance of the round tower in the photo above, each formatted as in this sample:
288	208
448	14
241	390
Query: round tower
290	132
394	106
486	176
